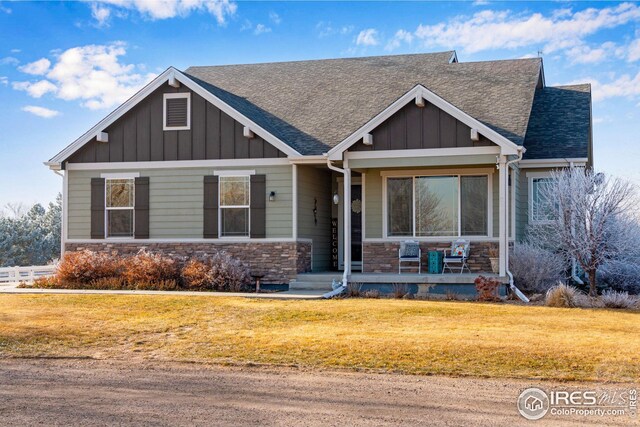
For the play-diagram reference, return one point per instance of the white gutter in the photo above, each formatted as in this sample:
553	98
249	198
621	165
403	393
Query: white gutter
513	287
346	172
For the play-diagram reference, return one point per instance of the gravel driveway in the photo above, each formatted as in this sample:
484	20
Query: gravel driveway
91	392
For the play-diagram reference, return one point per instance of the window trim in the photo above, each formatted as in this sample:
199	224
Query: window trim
178	95
417	173
234	174
119	176
531	176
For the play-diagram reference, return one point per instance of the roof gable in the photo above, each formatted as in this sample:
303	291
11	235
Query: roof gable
171	74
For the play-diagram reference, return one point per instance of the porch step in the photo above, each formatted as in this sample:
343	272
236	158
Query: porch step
314	281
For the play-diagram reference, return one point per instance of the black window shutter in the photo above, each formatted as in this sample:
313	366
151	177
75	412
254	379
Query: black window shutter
210	226
142	207
97	208
258	206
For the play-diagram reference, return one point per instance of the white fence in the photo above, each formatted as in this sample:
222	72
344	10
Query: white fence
25	274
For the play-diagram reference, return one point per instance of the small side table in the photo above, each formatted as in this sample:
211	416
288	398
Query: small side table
257	278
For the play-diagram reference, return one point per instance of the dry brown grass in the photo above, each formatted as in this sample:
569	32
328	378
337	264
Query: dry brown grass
418	337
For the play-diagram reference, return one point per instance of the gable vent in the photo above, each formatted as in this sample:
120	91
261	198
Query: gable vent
177	111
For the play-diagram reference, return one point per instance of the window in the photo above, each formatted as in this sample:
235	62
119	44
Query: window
119	206
542	209
433	206
177	111
234	206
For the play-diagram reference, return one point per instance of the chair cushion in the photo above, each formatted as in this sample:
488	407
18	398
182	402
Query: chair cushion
458	250
409	249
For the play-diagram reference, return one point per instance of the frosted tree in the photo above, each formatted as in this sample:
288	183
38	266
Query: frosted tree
588	216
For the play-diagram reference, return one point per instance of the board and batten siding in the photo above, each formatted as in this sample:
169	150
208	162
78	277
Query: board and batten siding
414	127
374	197
138	135
176	201
522	219
314	184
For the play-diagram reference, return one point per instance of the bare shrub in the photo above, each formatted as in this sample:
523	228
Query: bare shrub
109	283
535	269
452	296
158	285
621	276
371	293
400	290
149	267
565	296
196	274
47	282
228	274
613	299
85	266
487	288
354	289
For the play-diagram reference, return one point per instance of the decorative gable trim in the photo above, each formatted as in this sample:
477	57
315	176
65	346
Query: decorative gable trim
507	147
170	74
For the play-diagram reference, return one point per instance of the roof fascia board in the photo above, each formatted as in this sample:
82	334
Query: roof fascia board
169	73
552	163
425	152
507	146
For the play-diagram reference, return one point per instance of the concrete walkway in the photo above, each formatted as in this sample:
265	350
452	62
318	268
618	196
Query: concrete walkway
12	288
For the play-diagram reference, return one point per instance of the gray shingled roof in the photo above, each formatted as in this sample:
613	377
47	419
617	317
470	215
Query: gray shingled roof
560	123
314	105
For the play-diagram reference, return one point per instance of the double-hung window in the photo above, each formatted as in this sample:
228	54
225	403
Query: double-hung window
119	206
434	206
234	206
542	209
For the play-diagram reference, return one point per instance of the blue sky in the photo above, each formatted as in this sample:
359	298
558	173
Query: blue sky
64	66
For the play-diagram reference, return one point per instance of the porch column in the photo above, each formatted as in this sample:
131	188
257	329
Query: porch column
347	223
502	214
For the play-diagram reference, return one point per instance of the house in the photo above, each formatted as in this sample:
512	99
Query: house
325	165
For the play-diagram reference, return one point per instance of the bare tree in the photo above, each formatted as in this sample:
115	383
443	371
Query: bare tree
587	215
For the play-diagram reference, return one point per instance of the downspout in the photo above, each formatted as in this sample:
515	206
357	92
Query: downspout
347	265
63	226
574	265
513	287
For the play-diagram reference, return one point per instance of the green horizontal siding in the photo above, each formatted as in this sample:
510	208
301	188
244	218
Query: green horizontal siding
176	201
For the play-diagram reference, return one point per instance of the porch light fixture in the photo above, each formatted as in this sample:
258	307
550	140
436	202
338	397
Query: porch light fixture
336	198
272	196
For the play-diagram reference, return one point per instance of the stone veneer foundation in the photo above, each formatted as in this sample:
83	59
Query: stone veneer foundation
280	262
383	257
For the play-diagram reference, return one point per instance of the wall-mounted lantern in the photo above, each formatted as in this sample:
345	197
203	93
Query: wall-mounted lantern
336	198
272	196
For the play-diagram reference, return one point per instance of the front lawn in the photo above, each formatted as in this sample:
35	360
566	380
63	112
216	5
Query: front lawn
416	337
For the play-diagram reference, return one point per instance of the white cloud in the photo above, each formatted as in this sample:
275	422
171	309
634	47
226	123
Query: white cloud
15	51
326	29
4	80
480	3
624	86
9	60
37	68
40	111
92	74
634	50
37	89
401	36
491	29
5	9
165	9
261	29
275	18
101	14
368	37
